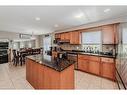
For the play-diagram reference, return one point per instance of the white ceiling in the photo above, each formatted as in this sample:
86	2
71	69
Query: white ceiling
21	19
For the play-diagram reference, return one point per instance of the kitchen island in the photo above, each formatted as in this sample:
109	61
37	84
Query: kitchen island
45	72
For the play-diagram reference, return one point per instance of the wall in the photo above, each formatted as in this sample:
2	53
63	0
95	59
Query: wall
8	35
12	36
97	23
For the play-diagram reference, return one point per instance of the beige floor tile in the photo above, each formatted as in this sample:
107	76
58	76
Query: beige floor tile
108	84
21	84
12	77
6	85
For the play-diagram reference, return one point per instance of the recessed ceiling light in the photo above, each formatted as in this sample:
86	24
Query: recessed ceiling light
37	18
56	25
79	15
107	10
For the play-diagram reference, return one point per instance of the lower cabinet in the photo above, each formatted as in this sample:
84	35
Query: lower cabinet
108	68
83	65
40	81
101	66
44	77
94	67
51	79
89	64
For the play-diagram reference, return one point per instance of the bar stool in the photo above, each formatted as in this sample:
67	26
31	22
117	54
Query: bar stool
14	57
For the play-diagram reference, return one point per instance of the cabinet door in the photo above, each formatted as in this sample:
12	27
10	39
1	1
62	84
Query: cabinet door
41	76
74	37
62	36
108	36
94	67
108	70
51	78
67	36
83	65
28	66
57	35
35	75
29	73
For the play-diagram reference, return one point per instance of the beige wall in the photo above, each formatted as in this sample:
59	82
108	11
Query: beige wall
8	35
12	36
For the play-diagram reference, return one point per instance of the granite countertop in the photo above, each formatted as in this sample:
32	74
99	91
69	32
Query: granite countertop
92	54
100	55
47	60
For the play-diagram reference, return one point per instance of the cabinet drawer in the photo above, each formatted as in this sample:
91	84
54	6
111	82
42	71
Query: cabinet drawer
109	60
94	58
85	57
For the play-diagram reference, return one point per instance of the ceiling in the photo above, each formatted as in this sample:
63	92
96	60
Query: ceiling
46	19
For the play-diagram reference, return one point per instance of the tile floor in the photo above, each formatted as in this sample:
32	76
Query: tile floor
12	77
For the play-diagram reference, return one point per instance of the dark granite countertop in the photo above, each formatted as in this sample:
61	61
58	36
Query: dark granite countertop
56	64
90	54
93	54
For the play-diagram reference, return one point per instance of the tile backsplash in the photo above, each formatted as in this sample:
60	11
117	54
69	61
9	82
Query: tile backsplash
107	48
104	48
71	47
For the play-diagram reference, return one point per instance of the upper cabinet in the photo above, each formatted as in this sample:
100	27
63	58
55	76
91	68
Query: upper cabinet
67	35
106	34
75	37
109	34
63	36
57	35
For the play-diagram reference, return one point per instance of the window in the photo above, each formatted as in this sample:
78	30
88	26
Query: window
16	45
124	35
46	43
91	37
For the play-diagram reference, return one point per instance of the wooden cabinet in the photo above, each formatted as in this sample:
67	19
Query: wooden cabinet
51	78
40	81
75	37
62	36
83	65
67	36
44	77
108	68
29	71
57	35
100	66
35	75
89	64
94	67
109	34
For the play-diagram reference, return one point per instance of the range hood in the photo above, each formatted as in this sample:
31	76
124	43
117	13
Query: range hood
58	41
64	41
